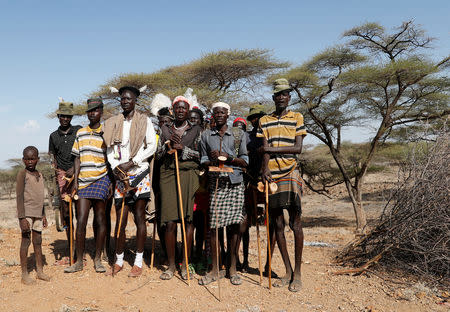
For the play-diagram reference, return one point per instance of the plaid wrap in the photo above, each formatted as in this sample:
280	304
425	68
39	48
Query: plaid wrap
96	190
289	192
229	202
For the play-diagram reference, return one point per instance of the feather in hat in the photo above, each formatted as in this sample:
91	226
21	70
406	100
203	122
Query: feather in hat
159	101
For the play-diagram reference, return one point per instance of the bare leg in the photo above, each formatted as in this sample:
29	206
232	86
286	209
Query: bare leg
281	241
100	221
25	243
296	226
107	249
37	246
272	247
83	208
141	226
170	238
232	238
120	241
189	238
223	253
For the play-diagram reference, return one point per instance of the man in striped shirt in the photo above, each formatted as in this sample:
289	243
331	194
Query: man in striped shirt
91	182
282	133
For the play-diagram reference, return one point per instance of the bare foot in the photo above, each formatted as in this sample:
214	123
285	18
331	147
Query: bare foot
27	280
284	281
42	276
78	266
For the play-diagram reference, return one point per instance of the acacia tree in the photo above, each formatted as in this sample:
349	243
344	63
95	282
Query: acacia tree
376	79
227	75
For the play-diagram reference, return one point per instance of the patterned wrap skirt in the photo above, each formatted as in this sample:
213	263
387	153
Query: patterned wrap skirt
141	182
228	202
289	192
96	190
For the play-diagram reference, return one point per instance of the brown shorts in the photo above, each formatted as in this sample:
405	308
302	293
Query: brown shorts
36	224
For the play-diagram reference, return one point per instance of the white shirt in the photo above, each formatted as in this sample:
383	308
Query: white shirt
143	153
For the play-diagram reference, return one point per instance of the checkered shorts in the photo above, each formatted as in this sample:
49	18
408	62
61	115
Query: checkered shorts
96	190
229	202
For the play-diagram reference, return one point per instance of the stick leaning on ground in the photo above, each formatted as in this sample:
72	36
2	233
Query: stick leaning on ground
266	189
180	205
73	196
255	212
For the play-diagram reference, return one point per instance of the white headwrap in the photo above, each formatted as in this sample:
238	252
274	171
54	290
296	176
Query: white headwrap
221	104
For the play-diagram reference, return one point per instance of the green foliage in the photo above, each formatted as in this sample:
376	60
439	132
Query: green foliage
227	75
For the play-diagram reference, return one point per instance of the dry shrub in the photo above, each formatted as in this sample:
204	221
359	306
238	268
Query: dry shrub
413	233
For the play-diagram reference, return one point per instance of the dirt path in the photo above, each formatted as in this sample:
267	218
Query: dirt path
326	221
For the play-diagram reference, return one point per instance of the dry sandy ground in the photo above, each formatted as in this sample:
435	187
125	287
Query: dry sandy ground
325	220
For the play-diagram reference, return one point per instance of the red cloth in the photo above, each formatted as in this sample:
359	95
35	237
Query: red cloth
241	120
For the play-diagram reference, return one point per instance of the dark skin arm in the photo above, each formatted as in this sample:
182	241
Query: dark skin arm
268	150
76	166
214	155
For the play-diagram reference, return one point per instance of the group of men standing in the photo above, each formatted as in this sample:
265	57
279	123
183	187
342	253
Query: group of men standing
113	160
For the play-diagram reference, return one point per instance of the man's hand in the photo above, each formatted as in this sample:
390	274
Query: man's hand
24	225
175	139
44	221
74	186
266	175
177	146
125	167
69	172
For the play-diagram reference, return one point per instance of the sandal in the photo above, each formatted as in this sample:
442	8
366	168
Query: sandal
207	279
235	279
295	285
166	275
184	273
135	271
114	270
281	282
74	268
99	267
63	261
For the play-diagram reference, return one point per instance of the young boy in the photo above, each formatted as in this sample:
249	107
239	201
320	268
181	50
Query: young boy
91	182
30	211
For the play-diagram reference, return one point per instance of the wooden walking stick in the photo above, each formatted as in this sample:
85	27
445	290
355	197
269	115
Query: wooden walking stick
152	202
153	244
180	205
268	233
127	188
255	208
73	196
220	168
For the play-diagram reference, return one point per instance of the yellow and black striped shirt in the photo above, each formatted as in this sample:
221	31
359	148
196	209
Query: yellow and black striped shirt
280	132
91	148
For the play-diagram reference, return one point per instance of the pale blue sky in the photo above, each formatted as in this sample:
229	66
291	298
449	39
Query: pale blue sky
69	48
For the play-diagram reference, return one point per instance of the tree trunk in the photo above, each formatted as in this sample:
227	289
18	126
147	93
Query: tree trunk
360	213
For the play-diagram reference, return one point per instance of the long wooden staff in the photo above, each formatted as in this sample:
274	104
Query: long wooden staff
72	197
266	190
153	243
120	219
180	200
255	211
219	168
217	231
152	195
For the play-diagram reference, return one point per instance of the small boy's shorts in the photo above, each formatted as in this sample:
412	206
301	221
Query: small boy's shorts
35	224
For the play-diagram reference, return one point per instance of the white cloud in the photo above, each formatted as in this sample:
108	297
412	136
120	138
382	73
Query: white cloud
30	126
